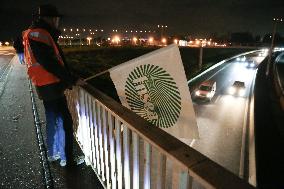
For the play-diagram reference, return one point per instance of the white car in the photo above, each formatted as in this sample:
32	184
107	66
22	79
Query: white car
238	88
241	59
206	90
251	64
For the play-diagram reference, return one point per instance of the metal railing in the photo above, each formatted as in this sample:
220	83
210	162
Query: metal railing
278	80
127	152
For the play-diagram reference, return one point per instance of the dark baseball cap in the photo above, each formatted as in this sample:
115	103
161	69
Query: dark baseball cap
48	10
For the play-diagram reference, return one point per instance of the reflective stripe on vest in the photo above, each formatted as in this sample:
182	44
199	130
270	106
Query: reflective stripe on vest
36	72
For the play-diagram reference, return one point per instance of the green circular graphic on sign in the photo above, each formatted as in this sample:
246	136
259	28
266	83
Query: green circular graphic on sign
153	94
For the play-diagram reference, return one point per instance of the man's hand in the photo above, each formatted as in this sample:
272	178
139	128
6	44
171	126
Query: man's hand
81	82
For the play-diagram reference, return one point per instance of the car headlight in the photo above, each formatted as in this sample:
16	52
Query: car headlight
232	90
242	92
197	93
238	59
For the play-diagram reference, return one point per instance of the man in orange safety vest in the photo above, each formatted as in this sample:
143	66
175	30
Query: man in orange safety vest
49	73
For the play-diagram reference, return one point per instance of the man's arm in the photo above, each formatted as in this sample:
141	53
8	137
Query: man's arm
46	57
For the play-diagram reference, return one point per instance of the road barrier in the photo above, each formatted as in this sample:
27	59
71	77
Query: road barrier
278	80
126	151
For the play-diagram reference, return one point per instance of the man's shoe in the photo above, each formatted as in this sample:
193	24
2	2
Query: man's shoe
79	160
53	158
62	163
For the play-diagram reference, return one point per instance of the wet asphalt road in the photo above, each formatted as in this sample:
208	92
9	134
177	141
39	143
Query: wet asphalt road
222	120
19	156
20	165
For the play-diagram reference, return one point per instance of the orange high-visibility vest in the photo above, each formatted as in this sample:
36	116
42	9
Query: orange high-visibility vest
36	72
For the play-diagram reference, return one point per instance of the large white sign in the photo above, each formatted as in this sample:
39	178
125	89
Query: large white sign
154	86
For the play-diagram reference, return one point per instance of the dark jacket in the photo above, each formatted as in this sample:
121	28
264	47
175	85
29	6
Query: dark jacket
18	44
46	57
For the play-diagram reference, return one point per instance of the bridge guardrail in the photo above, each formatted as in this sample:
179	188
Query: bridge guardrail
278	81
127	152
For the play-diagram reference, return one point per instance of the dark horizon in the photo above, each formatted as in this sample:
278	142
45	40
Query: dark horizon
186	17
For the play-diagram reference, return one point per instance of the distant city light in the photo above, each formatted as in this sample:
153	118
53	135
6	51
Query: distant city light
151	40
175	41
115	39
164	40
134	40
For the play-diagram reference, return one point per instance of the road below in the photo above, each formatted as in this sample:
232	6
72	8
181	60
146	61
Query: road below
222	121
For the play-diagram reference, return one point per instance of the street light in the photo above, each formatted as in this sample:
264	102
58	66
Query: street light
134	40
162	27
164	41
116	39
276	20
89	40
175	41
151	40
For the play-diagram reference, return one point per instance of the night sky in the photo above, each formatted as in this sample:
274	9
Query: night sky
198	18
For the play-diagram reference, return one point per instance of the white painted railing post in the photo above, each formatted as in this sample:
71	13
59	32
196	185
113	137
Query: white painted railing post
147	165
100	135
161	168
118	153
106	147
136	154
112	152
87	130
97	139
126	163
90	114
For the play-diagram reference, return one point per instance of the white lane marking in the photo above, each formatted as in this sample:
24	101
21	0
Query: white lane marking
249	121
242	159
252	163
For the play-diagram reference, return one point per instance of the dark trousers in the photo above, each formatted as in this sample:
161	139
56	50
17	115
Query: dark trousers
58	107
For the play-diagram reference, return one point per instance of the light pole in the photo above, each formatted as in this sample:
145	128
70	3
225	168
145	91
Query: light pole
276	20
162	29
89	40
